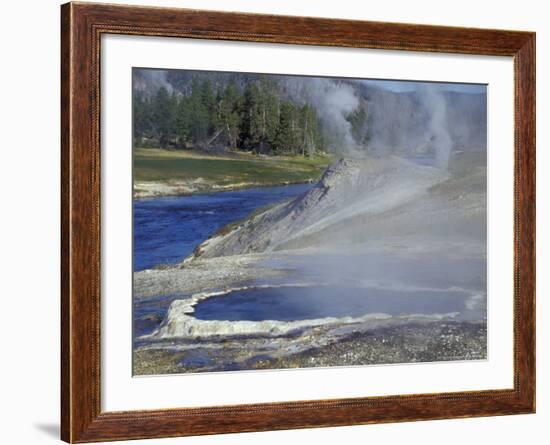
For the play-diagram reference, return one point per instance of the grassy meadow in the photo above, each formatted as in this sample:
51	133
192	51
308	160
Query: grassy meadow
187	171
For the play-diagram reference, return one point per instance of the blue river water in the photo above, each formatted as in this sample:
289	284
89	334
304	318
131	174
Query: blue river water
166	230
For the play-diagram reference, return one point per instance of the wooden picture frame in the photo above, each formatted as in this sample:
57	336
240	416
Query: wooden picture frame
82	25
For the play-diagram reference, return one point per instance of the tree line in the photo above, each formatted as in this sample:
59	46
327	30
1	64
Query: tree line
256	117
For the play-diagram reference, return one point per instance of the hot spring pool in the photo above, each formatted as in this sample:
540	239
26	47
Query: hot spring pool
312	302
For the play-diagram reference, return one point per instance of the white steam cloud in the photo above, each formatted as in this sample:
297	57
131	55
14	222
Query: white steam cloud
155	79
414	122
333	101
398	126
437	127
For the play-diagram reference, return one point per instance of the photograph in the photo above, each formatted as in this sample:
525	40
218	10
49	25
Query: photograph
284	221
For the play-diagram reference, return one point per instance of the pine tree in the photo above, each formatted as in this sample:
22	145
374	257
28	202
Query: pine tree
199	121
142	120
269	112
163	116
183	121
251	121
208	101
287	134
308	130
229	113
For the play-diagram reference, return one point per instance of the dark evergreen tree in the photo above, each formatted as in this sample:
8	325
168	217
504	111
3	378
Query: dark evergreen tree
141	118
309	135
269	113
250	127
183	122
199	119
208	102
229	113
287	138
163	116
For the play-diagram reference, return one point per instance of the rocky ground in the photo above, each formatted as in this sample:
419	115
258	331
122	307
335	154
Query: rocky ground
410	343
203	276
407	343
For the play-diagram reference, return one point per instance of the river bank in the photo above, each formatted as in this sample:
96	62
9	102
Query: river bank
160	173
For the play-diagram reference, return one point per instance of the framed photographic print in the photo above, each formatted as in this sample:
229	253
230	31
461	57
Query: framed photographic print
275	222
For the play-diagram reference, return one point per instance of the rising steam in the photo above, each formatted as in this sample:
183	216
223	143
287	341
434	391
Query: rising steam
438	132
399	123
152	80
333	100
426	121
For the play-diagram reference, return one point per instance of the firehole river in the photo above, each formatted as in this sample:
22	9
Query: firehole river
166	230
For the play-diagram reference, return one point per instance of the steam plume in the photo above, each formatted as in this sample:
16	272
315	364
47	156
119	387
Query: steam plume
152	80
333	101
437	126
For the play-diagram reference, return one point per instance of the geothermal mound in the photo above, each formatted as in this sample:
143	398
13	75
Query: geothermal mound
349	188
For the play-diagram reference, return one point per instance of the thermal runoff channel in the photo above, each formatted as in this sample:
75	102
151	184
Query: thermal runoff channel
293	221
